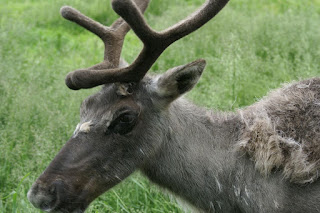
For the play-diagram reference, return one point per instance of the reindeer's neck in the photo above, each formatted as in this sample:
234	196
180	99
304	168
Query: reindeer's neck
195	161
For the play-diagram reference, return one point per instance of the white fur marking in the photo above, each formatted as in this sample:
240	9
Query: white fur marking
212	207
245	201
142	151
218	184
219	204
85	127
108	123
76	130
246	191
236	191
116	176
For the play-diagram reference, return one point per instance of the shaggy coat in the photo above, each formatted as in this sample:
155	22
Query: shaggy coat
282	131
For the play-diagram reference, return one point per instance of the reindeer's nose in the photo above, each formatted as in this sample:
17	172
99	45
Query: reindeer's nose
45	197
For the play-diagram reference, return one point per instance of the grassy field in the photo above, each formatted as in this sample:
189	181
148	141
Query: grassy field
251	47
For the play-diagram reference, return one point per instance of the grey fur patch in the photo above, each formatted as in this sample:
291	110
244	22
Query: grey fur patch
282	131
123	89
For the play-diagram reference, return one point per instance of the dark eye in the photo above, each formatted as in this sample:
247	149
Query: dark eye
124	123
126	118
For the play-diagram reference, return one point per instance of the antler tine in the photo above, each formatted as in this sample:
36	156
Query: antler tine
76	16
154	43
103	32
194	21
127	10
112	36
161	40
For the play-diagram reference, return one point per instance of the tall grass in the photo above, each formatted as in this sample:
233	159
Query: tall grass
251	47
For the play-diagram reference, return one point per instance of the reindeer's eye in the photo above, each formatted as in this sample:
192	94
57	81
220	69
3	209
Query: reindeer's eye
124	123
126	118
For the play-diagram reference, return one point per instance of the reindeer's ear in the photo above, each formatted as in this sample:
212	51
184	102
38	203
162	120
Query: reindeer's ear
179	80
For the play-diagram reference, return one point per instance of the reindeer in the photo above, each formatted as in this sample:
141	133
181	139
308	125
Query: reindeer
262	158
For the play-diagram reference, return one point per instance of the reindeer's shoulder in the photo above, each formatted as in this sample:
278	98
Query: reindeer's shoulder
282	131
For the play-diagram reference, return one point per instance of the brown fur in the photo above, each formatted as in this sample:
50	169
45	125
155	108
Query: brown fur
282	131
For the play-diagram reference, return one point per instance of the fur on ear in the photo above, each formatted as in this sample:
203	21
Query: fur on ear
179	80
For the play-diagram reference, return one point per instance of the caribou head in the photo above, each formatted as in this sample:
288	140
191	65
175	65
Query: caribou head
122	126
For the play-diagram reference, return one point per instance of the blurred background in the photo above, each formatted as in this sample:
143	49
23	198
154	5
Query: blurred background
251	47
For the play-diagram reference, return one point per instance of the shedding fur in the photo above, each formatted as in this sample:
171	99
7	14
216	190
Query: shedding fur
282	131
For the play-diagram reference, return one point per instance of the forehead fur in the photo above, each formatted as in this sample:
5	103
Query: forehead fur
109	94
110	98
124	89
92	105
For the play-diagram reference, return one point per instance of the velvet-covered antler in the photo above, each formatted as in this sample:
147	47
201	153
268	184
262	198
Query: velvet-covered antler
112	38
154	42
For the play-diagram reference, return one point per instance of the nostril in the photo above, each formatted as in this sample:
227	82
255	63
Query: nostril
45	206
53	189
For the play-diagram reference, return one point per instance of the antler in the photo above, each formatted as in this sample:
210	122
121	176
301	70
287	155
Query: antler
112	37
154	43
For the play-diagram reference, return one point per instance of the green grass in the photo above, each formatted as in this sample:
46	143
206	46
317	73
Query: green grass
251	47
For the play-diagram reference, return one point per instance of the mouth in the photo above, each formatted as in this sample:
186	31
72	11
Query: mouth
61	210
66	211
